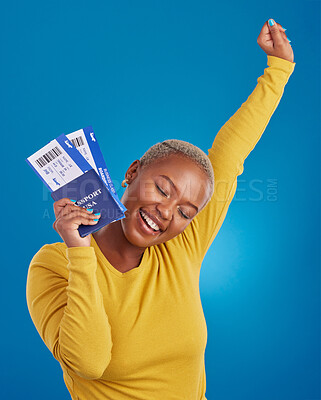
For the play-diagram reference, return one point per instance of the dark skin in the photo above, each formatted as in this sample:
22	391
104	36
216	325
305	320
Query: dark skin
123	242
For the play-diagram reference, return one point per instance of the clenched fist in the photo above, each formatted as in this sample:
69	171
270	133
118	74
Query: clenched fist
273	41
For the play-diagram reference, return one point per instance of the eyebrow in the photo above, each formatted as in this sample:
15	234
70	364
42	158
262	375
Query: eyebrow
175	188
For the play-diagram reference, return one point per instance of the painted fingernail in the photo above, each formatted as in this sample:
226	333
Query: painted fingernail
89	209
97	214
271	22
289	40
284	28
95	220
74	201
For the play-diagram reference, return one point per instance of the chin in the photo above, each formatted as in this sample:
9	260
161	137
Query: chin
136	234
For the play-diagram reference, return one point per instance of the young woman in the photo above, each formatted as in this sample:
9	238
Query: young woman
120	309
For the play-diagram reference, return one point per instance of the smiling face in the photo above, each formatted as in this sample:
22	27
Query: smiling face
162	198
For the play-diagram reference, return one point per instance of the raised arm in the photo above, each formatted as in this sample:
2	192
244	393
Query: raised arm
238	137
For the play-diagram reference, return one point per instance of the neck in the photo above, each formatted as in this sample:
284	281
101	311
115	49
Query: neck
116	248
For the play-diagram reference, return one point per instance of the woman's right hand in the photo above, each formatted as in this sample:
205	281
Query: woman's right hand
273	41
68	218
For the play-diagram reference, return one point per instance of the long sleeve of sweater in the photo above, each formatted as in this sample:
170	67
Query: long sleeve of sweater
66	306
231	146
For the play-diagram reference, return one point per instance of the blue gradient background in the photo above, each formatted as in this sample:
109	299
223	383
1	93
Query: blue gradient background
140	72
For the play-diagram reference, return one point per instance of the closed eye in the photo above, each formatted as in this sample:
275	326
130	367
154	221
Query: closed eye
183	215
161	191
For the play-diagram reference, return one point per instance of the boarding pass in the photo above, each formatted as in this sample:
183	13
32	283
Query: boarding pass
58	163
86	143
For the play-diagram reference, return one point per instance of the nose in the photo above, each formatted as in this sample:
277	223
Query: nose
165	211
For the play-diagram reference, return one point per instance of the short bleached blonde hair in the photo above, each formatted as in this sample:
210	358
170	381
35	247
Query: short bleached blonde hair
181	148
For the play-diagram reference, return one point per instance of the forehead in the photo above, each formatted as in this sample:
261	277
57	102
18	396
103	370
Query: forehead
190	180
176	165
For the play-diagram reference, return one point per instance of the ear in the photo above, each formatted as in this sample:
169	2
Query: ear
133	171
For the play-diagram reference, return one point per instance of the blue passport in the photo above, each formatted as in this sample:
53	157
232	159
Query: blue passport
89	191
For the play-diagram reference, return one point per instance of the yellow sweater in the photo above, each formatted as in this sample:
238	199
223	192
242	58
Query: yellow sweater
141	335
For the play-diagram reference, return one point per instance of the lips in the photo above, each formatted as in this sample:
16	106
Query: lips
154	219
145	228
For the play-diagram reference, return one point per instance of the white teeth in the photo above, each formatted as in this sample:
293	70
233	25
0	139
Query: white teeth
150	222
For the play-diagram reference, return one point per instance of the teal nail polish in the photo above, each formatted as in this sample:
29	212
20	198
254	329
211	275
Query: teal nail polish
74	201
95	220
89	209
97	214
284	28
289	40
271	22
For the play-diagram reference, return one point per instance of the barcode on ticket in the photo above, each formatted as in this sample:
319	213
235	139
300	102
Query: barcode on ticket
77	142
58	163
47	157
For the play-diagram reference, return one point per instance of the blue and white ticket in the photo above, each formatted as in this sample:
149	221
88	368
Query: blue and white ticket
69	156
86	143
58	163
